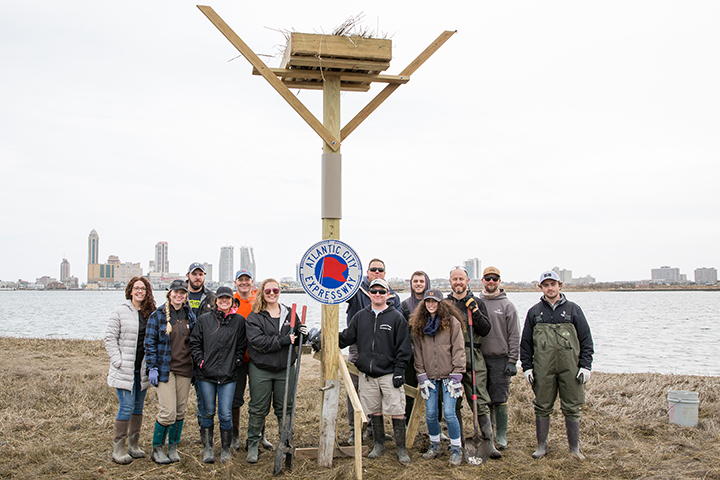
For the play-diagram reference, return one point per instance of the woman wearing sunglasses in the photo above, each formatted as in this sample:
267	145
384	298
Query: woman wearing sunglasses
217	344
269	337
439	347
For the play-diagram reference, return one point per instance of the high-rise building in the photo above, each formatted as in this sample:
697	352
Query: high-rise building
162	264
706	276
208	271
93	251
247	260
665	274
472	265
564	274
64	270
227	264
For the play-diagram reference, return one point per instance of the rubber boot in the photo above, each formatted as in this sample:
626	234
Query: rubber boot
235	445
572	428
206	435
265	443
487	433
542	427
378	427
432	452
120	452
501	423
174	434
256	426
134	449
225	441
399	434
159	435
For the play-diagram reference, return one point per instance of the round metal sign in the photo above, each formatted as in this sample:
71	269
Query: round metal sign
330	272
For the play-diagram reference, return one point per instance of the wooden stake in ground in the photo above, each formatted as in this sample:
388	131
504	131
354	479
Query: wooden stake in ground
343	63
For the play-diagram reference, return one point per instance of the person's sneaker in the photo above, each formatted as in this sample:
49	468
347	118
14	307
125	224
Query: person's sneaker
455	456
433	451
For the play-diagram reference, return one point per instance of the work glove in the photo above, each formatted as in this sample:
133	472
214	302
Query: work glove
398	381
583	375
153	377
315	338
472	304
303	329
510	369
455	388
529	376
424	385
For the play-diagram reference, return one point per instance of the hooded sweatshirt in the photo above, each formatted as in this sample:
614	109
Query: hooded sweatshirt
504	337
408	305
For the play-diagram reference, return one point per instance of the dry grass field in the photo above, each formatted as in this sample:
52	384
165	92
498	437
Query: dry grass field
56	415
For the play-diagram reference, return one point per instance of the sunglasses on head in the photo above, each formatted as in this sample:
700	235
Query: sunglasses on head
268	291
491	278
378	291
376	269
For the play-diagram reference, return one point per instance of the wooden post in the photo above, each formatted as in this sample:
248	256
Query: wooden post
331	213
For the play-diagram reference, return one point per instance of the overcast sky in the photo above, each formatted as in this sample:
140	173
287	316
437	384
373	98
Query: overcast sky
577	134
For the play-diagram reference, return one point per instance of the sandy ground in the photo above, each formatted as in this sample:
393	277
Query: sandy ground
56	416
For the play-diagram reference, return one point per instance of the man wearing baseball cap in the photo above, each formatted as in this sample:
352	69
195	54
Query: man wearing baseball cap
201	300
383	344
501	349
556	352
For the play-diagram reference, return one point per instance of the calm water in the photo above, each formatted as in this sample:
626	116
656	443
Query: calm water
666	332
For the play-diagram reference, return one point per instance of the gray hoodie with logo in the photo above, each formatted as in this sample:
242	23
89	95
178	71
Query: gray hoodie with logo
504	337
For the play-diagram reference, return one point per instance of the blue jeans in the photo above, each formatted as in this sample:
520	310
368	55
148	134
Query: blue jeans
431	411
131	401
224	393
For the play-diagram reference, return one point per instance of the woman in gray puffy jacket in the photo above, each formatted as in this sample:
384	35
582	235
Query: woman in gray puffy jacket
124	342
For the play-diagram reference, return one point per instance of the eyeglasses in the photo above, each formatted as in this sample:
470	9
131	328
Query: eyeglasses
376	269
268	291
490	278
378	291
139	289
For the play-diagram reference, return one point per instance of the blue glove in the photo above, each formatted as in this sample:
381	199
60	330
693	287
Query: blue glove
153	377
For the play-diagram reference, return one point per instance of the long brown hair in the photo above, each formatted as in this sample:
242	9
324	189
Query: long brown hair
147	306
446	311
260	302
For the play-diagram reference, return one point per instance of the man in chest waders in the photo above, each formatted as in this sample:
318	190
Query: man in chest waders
556	352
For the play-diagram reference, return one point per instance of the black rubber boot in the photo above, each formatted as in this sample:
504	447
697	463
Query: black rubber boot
487	433
572	428
378	427
542	427
225	441
206	435
399	434
235	445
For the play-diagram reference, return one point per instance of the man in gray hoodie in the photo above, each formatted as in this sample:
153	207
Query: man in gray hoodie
500	348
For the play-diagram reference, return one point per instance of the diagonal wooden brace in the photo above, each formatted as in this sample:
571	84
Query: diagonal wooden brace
331	140
388	90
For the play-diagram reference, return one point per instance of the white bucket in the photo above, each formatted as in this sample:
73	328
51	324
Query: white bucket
683	407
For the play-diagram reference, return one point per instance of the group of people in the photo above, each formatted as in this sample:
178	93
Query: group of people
446	346
464	344
217	341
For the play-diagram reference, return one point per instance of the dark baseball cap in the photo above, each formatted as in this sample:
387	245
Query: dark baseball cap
194	266
224	292
434	294
178	285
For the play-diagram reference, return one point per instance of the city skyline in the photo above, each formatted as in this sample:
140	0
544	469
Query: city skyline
592	151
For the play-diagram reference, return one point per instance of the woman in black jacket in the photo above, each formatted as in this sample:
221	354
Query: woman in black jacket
217	344
269	338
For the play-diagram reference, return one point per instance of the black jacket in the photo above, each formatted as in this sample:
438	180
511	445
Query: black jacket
481	322
207	302
383	342
218	343
268	347
564	312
